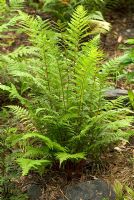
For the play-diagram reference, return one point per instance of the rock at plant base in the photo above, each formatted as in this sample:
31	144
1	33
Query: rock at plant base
131	141
90	190
34	192
114	93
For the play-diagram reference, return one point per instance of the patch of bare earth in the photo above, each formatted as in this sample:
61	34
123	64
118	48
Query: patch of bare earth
114	165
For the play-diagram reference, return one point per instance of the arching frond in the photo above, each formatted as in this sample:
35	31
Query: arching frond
65	156
23	116
28	164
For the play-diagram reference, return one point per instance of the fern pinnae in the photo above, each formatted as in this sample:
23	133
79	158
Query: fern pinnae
24	51
78	24
63	156
23	115
28	164
51	144
34	152
85	69
32	26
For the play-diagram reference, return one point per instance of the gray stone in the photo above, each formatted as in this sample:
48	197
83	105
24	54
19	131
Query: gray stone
90	190
131	141
114	93
34	192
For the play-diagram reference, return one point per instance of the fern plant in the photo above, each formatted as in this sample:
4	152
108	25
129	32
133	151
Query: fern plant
63	114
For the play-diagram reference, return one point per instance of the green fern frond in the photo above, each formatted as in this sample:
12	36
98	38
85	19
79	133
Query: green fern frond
78	29
116	104
119	124
33	27
107	122
112	115
65	156
13	139
5	27
23	116
38	82
46	110
17	4
114	65
43	138
13	92
98	24
11	6
24	51
111	137
36	152
28	164
87	73
46	140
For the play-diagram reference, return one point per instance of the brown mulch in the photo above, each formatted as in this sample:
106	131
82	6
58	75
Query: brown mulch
121	166
122	28
115	165
114	42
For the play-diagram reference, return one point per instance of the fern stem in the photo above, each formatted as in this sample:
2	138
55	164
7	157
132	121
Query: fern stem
62	85
68	79
82	91
47	79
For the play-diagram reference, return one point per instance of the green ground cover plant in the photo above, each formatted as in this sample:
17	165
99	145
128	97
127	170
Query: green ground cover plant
59	82
123	192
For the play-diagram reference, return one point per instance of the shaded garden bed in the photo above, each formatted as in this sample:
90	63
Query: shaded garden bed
116	164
